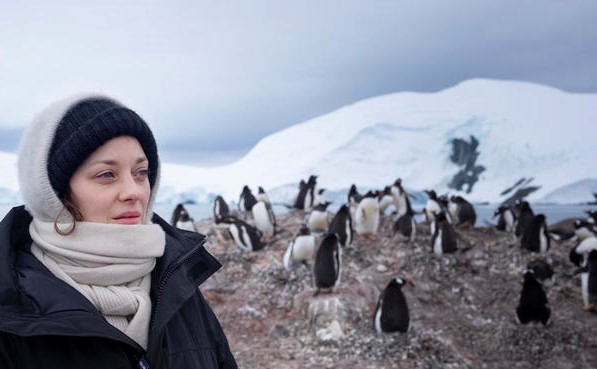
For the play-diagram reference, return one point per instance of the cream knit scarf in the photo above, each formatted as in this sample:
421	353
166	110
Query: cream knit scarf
109	264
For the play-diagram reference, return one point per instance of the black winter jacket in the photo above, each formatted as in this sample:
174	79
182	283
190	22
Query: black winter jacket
45	323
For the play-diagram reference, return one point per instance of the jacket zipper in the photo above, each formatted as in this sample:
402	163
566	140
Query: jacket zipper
171	269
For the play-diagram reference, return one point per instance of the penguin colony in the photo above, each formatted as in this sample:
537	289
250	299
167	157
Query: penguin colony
323	237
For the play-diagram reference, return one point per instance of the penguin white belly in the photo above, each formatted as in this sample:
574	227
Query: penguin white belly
437	244
401	207
584	286
303	248
367	216
509	219
432	227
287	259
186	225
414	229
432	208
542	240
247	245
378	320
234	232
347	230
318	221
262	220
384	202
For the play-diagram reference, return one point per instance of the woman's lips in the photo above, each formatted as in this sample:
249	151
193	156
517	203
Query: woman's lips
129	217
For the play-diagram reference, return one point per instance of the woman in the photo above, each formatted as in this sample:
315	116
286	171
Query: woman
89	276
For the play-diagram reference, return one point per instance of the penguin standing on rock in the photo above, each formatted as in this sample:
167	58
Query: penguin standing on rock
525	217
391	313
265	219
533	305
306	195
220	209
317	219
465	214
246	200
177	213
341	225
246	237
535	237
444	237
506	218
584	255
300	250
185	221
405	222
432	207
367	216
328	264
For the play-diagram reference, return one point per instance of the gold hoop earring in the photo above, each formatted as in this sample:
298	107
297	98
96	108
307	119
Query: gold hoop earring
58	216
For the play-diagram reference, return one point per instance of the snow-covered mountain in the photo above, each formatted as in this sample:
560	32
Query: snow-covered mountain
480	136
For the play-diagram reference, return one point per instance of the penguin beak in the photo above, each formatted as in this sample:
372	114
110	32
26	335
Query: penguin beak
408	281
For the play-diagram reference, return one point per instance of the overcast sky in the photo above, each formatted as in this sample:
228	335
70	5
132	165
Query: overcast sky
220	75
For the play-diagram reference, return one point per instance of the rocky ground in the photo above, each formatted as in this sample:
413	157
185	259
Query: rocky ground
462	305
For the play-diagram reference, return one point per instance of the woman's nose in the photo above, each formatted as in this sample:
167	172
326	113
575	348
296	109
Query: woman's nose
130	189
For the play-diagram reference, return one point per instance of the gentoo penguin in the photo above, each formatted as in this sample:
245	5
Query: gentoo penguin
385	199
262	195
506	218
432	207
328	264
464	214
354	197
535	237
584	255
405	224
450	209
265	219
584	229
317	220
246	237
367	216
185	221
302	184
178	210
541	269
525	217
220	209
341	225
533	305
301	249
306	195
399	197
444	237
246	200
391	313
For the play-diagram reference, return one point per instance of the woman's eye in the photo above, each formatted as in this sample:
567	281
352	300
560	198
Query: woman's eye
106	175
143	173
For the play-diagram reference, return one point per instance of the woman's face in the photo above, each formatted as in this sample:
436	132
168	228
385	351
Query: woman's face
112	184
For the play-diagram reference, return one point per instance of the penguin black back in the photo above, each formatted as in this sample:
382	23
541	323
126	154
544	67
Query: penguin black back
465	212
444	236
533	305
535	237
327	267
176	214
247	200
391	313
341	225
592	284
525	217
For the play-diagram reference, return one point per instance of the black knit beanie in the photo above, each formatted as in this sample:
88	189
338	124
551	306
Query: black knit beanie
85	127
